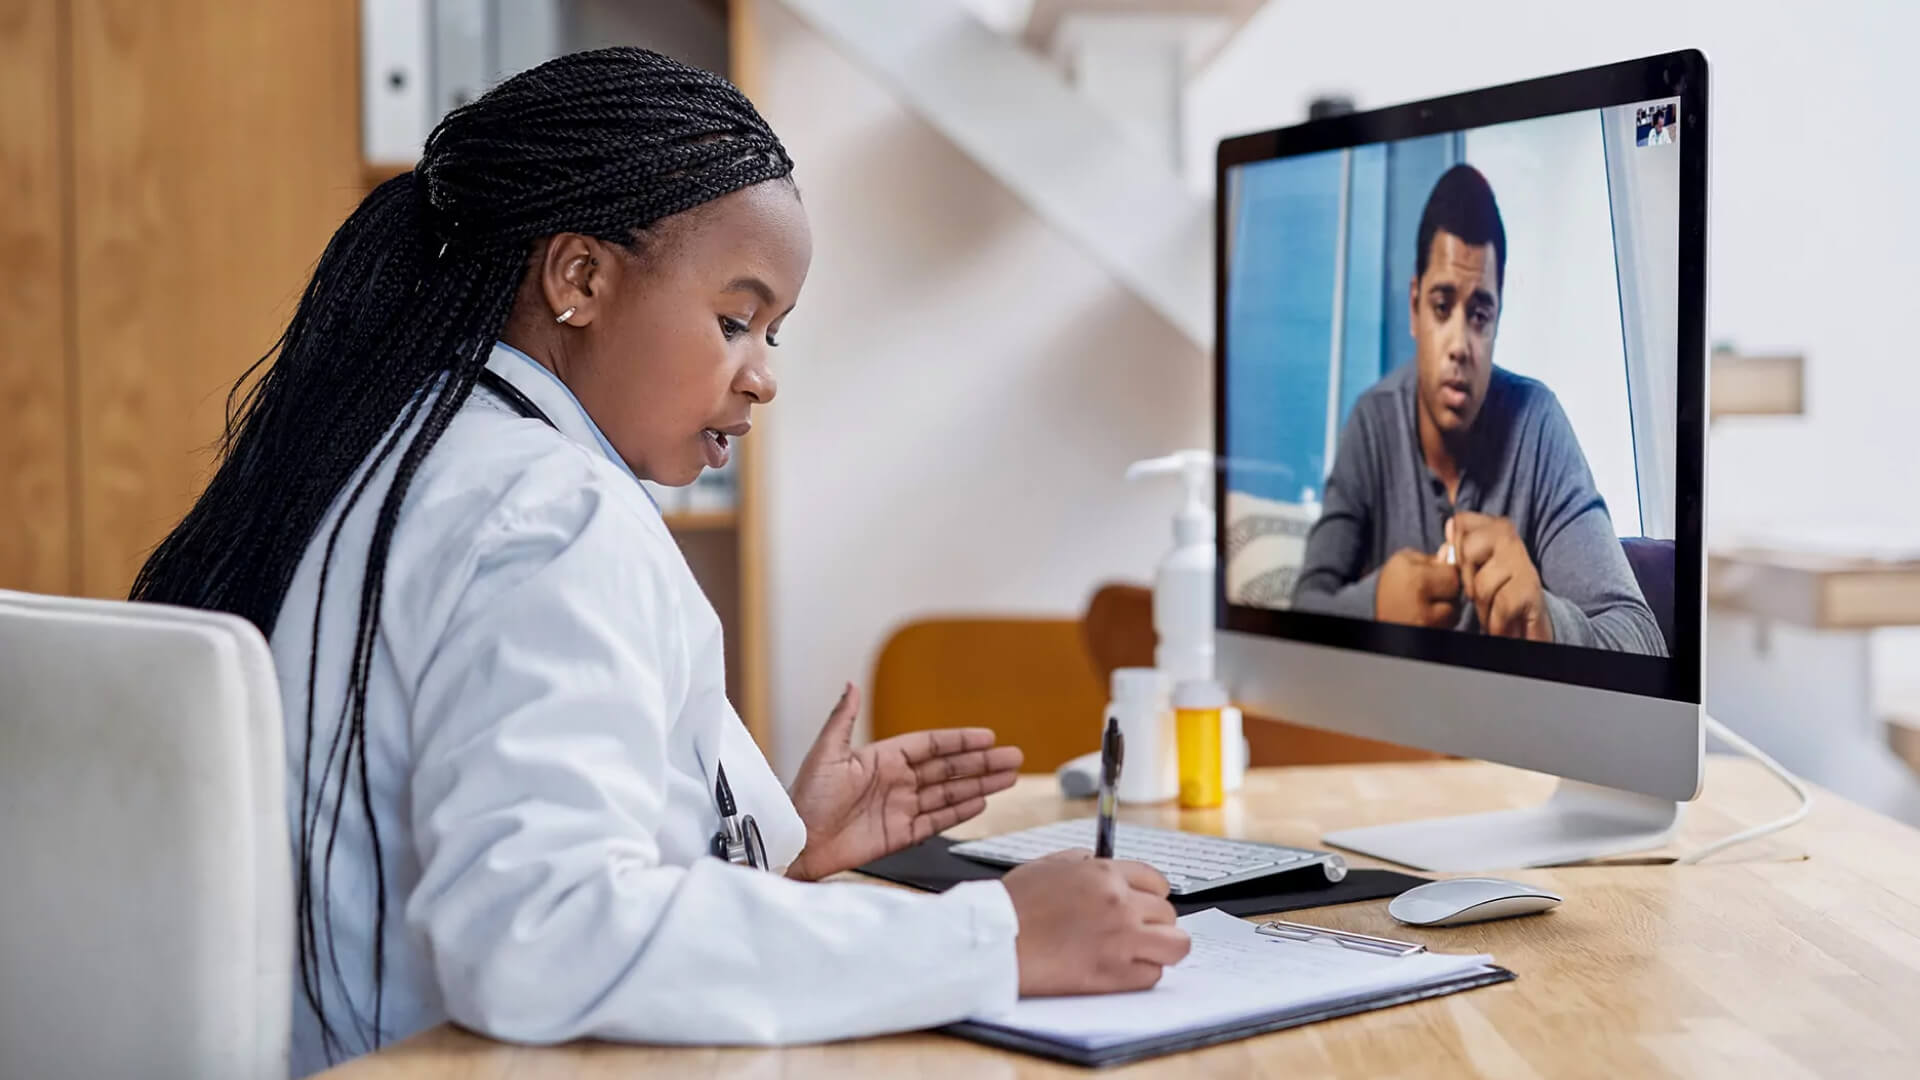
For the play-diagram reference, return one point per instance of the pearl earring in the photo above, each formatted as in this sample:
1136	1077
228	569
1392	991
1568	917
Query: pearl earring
565	315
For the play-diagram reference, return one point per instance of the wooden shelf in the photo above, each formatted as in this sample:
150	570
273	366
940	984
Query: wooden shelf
1815	590
1758	385
702	520
1903	737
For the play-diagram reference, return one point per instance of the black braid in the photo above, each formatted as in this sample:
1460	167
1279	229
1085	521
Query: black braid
385	347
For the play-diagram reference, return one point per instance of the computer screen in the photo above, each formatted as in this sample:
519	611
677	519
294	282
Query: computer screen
1450	395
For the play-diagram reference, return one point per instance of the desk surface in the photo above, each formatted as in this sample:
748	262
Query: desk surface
1798	955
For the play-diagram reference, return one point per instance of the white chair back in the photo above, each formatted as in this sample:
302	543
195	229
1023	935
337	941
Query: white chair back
145	881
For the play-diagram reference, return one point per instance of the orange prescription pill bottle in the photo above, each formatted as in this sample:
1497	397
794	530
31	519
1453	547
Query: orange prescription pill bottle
1196	710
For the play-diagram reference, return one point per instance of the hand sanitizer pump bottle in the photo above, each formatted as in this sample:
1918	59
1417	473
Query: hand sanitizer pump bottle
1183	582
1183	592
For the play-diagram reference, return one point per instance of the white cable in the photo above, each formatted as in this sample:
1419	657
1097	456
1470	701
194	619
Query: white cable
1720	731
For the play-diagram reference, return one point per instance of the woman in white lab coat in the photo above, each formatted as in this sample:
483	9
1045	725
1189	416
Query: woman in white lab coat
503	689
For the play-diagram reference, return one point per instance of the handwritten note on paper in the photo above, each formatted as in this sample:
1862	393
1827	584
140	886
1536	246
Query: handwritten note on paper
1232	974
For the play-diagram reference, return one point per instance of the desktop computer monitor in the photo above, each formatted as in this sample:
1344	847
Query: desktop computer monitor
1459	411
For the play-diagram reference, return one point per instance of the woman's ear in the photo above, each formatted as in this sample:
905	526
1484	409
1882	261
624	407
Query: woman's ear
573	277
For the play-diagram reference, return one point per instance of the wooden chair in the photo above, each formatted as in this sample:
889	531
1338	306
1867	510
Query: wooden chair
1119	633
1041	685
1027	679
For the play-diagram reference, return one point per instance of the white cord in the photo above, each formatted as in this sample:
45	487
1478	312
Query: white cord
1720	731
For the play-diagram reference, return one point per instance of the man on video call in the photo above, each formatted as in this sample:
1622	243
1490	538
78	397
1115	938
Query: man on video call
1459	497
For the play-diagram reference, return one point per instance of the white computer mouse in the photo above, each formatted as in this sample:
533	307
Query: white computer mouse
1468	900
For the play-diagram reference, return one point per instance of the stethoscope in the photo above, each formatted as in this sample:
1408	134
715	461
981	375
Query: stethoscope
738	838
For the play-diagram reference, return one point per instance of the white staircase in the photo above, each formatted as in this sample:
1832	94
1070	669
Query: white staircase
1098	162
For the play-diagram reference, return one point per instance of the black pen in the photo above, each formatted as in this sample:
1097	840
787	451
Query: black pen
1112	749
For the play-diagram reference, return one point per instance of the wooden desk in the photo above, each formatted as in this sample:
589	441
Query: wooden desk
1798	955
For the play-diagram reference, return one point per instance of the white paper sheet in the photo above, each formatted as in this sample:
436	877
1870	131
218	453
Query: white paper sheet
1232	973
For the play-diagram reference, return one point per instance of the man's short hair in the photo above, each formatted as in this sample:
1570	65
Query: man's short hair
1462	204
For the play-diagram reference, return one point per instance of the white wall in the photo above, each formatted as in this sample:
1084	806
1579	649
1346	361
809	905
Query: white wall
1560	309
1815	227
961	389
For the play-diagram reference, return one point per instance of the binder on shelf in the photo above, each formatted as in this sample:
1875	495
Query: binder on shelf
395	80
461	53
526	33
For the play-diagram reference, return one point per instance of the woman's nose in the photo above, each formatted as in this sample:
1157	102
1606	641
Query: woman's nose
757	382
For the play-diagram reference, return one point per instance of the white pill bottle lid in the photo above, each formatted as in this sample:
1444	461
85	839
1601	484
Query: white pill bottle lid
1139	685
1200	694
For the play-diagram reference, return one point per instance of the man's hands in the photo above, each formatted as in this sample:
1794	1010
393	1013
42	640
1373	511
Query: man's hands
1489	568
1499	577
1417	589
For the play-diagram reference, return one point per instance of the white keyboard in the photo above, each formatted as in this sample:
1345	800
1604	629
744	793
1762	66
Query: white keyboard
1192	863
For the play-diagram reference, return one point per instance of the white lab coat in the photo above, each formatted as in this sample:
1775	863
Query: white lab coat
545	711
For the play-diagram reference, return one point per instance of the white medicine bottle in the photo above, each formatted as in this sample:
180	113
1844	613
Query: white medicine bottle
1150	765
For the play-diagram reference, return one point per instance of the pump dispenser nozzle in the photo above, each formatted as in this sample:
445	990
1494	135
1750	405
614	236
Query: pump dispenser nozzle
1194	522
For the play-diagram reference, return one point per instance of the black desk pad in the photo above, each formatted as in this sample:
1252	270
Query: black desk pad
930	866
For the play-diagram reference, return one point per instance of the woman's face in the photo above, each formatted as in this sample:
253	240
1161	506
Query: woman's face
668	350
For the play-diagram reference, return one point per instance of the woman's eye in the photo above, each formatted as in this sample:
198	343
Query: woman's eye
773	342
731	328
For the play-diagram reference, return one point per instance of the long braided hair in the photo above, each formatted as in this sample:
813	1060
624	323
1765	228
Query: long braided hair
396	325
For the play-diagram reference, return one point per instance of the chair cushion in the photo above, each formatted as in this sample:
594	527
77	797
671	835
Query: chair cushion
1653	563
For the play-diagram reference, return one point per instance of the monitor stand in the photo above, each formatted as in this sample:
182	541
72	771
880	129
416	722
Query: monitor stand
1581	821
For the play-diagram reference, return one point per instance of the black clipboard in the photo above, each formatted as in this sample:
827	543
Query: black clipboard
1127	1053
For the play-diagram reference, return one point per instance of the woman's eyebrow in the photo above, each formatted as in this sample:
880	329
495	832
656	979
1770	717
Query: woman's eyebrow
753	285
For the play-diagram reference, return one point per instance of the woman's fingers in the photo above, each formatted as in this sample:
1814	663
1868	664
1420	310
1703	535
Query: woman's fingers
920	746
946	817
1164	944
978	762
934	796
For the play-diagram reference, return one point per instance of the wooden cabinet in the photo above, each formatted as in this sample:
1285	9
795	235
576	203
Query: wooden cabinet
215	150
37	480
182	165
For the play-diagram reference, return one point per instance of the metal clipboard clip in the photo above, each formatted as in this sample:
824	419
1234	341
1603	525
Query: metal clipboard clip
1346	939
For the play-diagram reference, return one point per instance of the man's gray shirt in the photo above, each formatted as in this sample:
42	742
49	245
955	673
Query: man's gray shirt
1522	463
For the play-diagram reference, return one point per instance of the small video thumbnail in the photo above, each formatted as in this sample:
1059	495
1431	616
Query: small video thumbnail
1656	125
